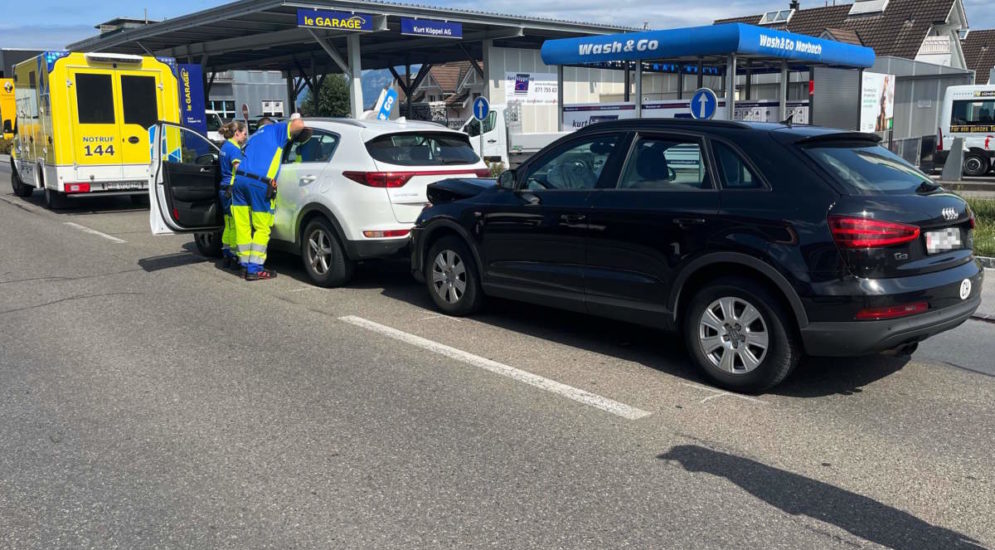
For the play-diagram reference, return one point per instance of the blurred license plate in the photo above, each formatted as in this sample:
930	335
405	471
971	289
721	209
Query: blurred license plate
943	240
124	185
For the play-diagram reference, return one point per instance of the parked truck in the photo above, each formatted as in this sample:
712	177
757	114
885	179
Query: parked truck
504	140
83	123
968	112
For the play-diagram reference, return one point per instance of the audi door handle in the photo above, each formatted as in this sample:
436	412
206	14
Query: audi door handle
573	218
689	221
306	180
492	141
205	170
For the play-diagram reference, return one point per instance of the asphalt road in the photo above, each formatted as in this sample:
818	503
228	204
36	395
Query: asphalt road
149	399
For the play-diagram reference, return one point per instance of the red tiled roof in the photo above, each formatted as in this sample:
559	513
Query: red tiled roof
899	31
979	51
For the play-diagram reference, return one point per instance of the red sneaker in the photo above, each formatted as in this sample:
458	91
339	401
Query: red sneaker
261	276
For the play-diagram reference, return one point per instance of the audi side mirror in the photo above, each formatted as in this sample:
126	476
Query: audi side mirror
507	180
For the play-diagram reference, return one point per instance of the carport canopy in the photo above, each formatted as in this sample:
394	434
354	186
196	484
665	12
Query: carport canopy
723	44
310	38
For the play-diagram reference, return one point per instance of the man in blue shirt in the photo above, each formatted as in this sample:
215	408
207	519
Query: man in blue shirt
254	190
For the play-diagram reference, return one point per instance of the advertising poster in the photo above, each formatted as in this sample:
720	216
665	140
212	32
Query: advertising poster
877	102
192	114
534	88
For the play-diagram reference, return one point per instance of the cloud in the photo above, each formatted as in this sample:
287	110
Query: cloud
43	37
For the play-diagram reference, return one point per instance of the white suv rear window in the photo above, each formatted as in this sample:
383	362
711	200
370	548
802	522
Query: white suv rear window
422	149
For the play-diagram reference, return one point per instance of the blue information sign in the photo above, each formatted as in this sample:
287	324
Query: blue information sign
192	98
338	20
703	104
481	108
428	27
389	100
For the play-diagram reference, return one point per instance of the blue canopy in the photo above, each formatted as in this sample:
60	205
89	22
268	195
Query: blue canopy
715	40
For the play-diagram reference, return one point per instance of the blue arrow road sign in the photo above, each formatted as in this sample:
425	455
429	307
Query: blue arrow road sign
481	108
703	104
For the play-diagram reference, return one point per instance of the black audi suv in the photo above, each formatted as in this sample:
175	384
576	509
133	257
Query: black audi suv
759	242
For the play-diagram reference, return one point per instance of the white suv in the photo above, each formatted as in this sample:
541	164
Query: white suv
352	192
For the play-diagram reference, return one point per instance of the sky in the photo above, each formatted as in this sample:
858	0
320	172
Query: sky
49	24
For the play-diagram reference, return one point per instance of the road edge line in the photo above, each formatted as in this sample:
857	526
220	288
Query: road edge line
570	392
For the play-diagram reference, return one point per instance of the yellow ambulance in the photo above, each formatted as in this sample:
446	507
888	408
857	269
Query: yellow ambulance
7	107
83	122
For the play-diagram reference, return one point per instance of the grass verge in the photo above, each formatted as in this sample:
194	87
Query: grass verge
984	231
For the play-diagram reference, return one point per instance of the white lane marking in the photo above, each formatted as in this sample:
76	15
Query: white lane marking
719	393
86	229
570	392
446	317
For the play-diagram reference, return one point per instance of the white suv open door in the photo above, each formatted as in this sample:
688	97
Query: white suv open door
183	182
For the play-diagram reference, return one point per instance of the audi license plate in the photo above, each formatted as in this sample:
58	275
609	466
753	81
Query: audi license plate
943	240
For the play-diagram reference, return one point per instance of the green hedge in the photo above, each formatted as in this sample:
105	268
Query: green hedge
984	231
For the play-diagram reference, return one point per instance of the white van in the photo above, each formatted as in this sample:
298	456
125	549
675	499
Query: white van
969	112
214	124
504	140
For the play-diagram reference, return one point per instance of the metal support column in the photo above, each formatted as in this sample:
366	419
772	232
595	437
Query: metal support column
627	96
701	74
639	89
680	81
291	91
356	76
559	98
785	75
730	82
749	80
488	46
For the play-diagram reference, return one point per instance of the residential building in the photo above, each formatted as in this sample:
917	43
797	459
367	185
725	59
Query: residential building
446	95
979	51
921	30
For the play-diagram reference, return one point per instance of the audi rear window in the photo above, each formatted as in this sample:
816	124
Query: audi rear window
868	169
422	149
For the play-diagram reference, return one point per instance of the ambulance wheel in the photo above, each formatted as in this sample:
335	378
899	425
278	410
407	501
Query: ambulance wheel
54	200
208	244
976	166
324	259
20	188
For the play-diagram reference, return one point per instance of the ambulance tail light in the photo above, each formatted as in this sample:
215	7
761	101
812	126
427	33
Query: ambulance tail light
939	139
77	188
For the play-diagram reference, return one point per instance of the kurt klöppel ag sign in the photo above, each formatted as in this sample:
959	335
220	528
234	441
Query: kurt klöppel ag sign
428	27
328	19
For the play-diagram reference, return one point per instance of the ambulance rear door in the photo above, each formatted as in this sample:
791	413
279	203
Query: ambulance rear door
94	124
141	107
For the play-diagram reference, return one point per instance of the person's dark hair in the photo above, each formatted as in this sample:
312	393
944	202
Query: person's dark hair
264	121
229	130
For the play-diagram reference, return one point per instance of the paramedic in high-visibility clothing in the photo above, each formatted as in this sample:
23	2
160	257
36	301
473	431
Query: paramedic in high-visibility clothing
255	190
231	156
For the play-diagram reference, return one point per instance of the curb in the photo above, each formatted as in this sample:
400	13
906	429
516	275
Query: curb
989	265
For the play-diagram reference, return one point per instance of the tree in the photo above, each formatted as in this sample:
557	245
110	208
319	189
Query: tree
332	98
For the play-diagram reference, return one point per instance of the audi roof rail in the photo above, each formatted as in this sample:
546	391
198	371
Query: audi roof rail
659	122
